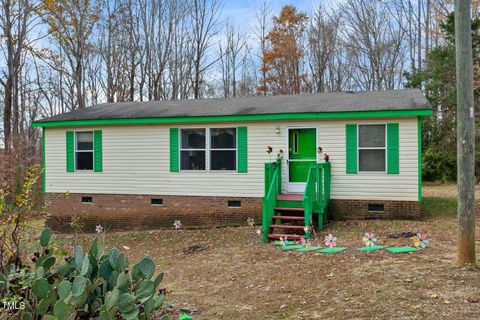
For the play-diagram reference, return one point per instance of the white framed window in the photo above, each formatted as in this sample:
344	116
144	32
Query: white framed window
212	149
372	148
223	149
84	150
193	149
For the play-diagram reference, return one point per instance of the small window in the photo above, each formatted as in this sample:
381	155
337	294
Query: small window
295	142
87	199
193	148
376	207
371	148
84	150
223	149
156	202
234	203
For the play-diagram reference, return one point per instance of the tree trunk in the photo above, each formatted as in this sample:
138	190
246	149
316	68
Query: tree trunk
7	113
419	40
465	134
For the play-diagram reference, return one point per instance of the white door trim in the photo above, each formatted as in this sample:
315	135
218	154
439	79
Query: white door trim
297	187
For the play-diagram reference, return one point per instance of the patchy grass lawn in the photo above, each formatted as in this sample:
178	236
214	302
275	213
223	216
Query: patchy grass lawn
237	277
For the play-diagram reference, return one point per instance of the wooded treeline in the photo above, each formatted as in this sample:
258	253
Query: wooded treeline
62	55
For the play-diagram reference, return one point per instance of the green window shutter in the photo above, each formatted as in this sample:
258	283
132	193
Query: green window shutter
173	149
242	149
351	145
70	151
393	162
97	151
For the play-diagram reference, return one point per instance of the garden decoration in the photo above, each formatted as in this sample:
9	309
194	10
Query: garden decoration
283	242
269	150
420	240
280	154
177	224
251	222
307	246
259	232
307	229
99	229
326	157
370	240
292	247
402	249
331	243
319	150
299	245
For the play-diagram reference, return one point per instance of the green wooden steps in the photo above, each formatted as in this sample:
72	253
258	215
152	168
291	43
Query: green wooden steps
291	215
288	219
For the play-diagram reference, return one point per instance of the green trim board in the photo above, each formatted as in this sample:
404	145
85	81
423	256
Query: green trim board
332	250
306	249
44	169
371	248
294	247
235	118
402	249
281	243
419	131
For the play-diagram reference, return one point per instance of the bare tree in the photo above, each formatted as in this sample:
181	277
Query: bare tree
263	16
374	45
15	23
229	55
204	18
71	24
323	42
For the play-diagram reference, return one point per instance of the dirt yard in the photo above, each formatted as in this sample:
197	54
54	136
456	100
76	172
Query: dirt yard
238	277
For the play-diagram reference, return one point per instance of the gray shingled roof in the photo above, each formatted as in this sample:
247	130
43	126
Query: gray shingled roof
411	99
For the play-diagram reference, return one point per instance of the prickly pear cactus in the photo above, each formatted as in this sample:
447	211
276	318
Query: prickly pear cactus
92	284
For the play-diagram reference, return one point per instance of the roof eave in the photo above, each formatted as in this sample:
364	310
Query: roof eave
237	118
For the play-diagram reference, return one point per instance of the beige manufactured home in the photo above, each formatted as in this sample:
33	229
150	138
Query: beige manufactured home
205	162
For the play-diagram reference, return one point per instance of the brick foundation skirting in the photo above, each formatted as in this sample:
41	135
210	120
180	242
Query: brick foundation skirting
123	212
359	209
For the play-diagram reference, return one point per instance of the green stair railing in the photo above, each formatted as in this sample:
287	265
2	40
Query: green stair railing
316	196
273	186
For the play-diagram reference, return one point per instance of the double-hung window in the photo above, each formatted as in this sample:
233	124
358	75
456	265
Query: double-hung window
223	152
208	149
372	148
193	149
84	150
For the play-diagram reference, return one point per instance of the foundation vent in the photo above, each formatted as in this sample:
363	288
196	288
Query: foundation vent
234	203
376	207
156	202
87	199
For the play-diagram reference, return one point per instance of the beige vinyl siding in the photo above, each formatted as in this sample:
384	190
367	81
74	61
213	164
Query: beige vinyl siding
136	161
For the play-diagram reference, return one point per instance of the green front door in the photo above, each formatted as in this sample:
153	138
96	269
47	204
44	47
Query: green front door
302	152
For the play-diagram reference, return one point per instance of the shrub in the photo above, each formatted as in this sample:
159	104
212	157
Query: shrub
437	166
17	209
85	285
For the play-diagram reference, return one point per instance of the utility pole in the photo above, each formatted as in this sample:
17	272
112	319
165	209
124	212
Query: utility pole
465	134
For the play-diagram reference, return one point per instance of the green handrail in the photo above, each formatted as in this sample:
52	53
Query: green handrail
316	196
273	186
